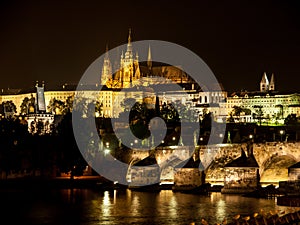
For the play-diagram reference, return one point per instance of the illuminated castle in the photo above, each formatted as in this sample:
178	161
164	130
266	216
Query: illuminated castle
129	72
138	79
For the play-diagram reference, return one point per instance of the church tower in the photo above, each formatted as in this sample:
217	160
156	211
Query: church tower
129	71
264	83
106	69
272	83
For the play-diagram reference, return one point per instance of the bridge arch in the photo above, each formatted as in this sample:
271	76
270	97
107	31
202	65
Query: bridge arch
130	164
275	168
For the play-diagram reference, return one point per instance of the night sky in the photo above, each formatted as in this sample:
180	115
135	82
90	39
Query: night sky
56	41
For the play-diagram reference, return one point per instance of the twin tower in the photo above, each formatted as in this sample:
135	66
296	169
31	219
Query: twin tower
265	85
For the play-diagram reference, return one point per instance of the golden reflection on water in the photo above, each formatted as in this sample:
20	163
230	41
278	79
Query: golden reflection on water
106	204
167	199
135	205
127	206
221	209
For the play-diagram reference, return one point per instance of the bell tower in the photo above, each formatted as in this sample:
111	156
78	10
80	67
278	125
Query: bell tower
264	83
272	83
129	71
106	69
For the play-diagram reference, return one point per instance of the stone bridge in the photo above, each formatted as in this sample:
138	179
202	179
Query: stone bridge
273	159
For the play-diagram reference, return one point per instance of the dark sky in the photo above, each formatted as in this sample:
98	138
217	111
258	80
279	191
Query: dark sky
56	41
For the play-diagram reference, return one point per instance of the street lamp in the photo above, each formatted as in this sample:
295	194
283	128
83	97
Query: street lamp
281	133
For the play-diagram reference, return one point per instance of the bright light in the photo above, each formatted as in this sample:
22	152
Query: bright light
281	132
106	151
173	138
250	136
135	141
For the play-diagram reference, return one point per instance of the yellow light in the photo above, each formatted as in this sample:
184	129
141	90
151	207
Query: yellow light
106	151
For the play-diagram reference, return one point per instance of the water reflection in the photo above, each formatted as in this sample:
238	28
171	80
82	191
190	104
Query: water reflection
106	205
221	210
122	207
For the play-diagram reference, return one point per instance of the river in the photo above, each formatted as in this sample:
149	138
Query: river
91	207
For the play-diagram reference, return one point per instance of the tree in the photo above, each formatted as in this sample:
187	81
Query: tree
291	119
186	112
99	108
56	106
13	134
71	158
8	108
128	103
169	113
237	110
258	113
280	113
69	104
26	105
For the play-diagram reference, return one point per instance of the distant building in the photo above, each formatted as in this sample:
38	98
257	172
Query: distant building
39	121
266	105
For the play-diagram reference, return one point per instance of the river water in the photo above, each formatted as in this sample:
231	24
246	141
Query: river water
90	207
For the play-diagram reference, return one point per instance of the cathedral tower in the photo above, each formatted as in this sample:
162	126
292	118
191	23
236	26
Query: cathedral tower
264	83
129	71
106	69
149	60
272	83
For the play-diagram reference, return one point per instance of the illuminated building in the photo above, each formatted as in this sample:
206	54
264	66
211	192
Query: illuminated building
39	121
267	104
137	79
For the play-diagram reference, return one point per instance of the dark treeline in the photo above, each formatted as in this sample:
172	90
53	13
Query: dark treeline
45	155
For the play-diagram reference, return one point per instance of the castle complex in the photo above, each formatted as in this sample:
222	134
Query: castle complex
264	105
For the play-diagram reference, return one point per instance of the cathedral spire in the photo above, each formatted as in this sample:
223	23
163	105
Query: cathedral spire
129	36
106	68
272	83
129	45
149	60
264	83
